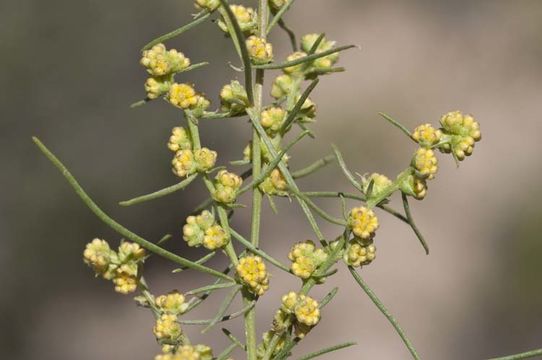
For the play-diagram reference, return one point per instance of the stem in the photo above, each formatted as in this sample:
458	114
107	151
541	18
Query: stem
160	193
327	350
413	224
384	311
525	355
118	227
315	166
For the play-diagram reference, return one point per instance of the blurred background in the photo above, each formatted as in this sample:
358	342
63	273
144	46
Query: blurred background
69	70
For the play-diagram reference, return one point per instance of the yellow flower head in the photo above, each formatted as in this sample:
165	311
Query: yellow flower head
227	185
323	63
307	311
156	87
358	254
215	238
129	251
272	119
426	135
205	159
414	186
184	163
462	132
380	184
183	96
260	51
179	140
188	352
253	273
246	17
196	226
125	278
234	98
160	62
98	255
209	5
172	303
295	69
274	184
306	258
282	86
167	328
363	222
426	163
289	301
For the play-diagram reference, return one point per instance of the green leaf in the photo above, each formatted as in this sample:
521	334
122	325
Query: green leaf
397	124
160	193
299	104
304	59
413	224
327	350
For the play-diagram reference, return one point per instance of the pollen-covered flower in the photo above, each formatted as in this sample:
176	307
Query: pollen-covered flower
167	328
159	61
289	301
172	303
461	132
306	258
98	255
425	162
209	5
234	98
205	159
259	50
183	96
157	86
380	184
227	186
184	163
358	254
215	238
179	140
253	273
129	251
274	184
282	86
295	69
426	135
272	119
307	311
246	17
125	278
196	226
363	222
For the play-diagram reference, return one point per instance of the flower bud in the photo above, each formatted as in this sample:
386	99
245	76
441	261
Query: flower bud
125	278
252	272
295	69
246	17
425	162
307	311
167	328
184	163
277	4
160	62
414	186
380	184
233	98
274	184
306	259
461	132
215	238
179	140
259	50
157	86
282	86
129	251
426	135
323	63
209	5
98	255
358	254
205	159
272	119
227	186
172	303
363	222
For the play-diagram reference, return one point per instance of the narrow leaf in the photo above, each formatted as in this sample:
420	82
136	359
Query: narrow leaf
160	193
304	59
345	170
327	350
198	20
299	104
397	124
413	224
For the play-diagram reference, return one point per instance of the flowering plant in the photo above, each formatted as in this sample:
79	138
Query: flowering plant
267	175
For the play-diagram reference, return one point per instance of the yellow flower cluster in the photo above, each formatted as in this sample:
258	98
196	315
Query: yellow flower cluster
203	230
282	86
121	267
188	352
161	62
306	258
209	5
303	310
272	119
427	136
227	186
363	222
185	97
425	162
246	17
253	273
188	162
167	329
179	140
259	50
461	132
274	184
358	253
172	303
324	63
234	98
157	86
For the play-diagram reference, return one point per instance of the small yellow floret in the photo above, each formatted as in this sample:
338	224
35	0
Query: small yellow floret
426	135
215	238
252	271
172	303
363	222
426	163
205	159
209	5
273	118
179	140
98	255
295	69
307	311
358	254
184	163
260	51
160	62
183	96
167	328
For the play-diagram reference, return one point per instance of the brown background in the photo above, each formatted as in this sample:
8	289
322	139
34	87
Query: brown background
69	69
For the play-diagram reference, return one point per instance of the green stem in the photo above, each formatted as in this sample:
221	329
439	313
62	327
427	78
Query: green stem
327	350
222	319
413	224
524	355
160	193
118	227
212	287
397	124
384	311
312	168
